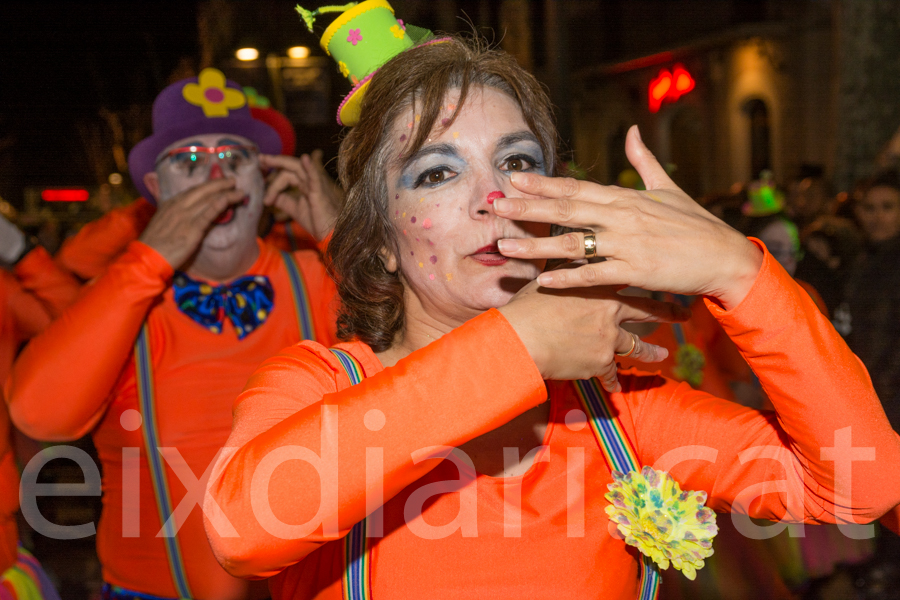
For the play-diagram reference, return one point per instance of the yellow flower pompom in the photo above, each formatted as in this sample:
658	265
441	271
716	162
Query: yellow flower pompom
662	521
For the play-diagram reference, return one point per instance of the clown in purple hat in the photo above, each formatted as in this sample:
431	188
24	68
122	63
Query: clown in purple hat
154	352
204	165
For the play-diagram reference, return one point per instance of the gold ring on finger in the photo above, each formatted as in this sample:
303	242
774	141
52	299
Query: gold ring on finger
633	347
590	245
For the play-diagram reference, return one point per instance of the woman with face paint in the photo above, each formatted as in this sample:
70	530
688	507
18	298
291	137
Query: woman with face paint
474	457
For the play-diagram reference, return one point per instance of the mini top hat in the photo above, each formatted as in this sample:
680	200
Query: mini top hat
764	197
195	106
361	39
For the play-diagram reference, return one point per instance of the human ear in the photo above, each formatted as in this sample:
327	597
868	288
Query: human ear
389	260
151	180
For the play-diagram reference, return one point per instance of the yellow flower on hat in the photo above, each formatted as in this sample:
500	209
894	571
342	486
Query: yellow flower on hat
211	94
662	521
345	70
398	32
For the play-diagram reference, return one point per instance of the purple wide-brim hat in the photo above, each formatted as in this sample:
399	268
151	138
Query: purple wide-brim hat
208	106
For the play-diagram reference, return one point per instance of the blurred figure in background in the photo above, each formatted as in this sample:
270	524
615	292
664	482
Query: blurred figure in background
33	291
808	199
869	316
830	246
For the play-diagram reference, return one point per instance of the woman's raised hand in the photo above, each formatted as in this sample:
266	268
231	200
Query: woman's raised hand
575	334
658	239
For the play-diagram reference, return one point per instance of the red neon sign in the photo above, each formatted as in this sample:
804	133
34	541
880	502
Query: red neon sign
669	86
70	195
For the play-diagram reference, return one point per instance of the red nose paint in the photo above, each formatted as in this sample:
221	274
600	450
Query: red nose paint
494	195
215	171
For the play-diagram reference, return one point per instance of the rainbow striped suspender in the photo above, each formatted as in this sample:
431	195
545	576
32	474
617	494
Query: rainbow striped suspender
357	567
301	300
147	403
620	456
612	439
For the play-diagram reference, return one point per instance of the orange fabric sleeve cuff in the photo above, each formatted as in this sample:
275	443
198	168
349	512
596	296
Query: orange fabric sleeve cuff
150	258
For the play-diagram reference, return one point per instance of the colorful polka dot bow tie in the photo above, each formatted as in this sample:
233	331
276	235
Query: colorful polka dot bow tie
246	301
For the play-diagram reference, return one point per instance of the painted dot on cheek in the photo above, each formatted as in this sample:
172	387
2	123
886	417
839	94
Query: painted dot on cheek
426	223
403	215
433	260
404	232
431	277
421	265
418	118
445	122
455	134
451	107
409	125
413	220
403	138
449	276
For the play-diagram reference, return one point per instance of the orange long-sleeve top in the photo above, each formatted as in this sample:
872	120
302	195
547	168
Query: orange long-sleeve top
30	297
723	362
478	377
78	376
100	242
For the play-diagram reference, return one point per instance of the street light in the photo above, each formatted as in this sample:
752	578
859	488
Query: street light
298	52
247	54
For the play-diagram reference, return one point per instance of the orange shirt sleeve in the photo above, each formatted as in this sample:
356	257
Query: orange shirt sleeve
89	252
62	380
27	316
51	285
440	396
821	394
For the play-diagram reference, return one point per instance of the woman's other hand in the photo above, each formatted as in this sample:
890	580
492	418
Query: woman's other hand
658	239
303	189
576	333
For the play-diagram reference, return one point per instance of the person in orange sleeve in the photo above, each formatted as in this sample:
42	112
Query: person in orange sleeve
31	295
421	458
700	352
89	252
151	355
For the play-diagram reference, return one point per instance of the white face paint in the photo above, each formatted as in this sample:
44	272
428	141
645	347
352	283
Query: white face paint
440	205
238	225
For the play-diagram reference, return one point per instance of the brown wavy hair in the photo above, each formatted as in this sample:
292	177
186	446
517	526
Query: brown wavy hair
372	307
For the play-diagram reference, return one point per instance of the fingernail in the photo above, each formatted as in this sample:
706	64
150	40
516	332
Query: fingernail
508	245
637	130
502	205
545	278
515	176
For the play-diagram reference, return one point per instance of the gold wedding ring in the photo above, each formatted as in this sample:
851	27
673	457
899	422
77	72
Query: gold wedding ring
590	245
633	347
